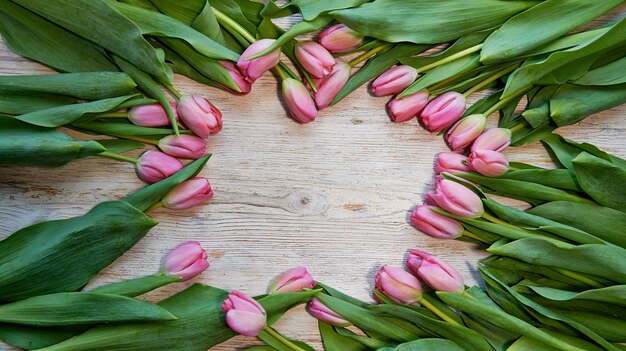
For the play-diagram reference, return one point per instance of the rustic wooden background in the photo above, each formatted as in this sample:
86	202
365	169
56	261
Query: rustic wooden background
333	195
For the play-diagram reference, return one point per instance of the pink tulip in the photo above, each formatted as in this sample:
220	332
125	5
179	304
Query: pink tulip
394	80
240	80
495	139
465	131
457	199
299	101
186	261
315	59
330	86
442	111
339	38
451	162
255	68
188	194
435	272
200	115
318	310
183	146
294	280
154	166
398	285
435	224
404	109
488	163
151	115
243	314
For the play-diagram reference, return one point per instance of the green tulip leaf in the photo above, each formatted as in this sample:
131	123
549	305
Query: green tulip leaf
572	103
313	8
137	286
278	304
429	344
196	14
119	146
23	143
121	128
609	74
62	115
427	21
333	341
538	25
17	103
77	308
100	23
602	180
56	47
556	178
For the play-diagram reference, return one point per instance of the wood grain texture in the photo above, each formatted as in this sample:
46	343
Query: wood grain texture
332	195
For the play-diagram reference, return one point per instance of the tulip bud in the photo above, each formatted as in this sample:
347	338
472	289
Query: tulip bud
451	162
186	261
435	272
154	166
442	111
184	146
200	115
328	87
465	131
404	109
315	59
488	163
239	79
495	139
299	101
318	310
294	280
435	224
457	199
190	193
243	314
255	68
151	115
394	80
398	285
340	38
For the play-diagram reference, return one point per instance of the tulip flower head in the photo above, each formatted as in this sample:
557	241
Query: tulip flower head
188	194
451	162
299	101
243	314
318	310
488	163
404	109
330	86
294	280
394	81
465	131
315	59
186	261
255	68
183	146
151	115
398	285
495	139
434	224
340	38
457	199
442	111
240	80
200	115
435	272
154	166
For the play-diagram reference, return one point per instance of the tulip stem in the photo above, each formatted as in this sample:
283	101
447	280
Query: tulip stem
516	127
136	138
506	100
227	21
277	336
155	206
581	278
424	301
493	219
450	58
113	115
281	73
119	157
173	90
368	54
469	234
492	78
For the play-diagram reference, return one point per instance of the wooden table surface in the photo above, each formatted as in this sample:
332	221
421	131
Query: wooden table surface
332	195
